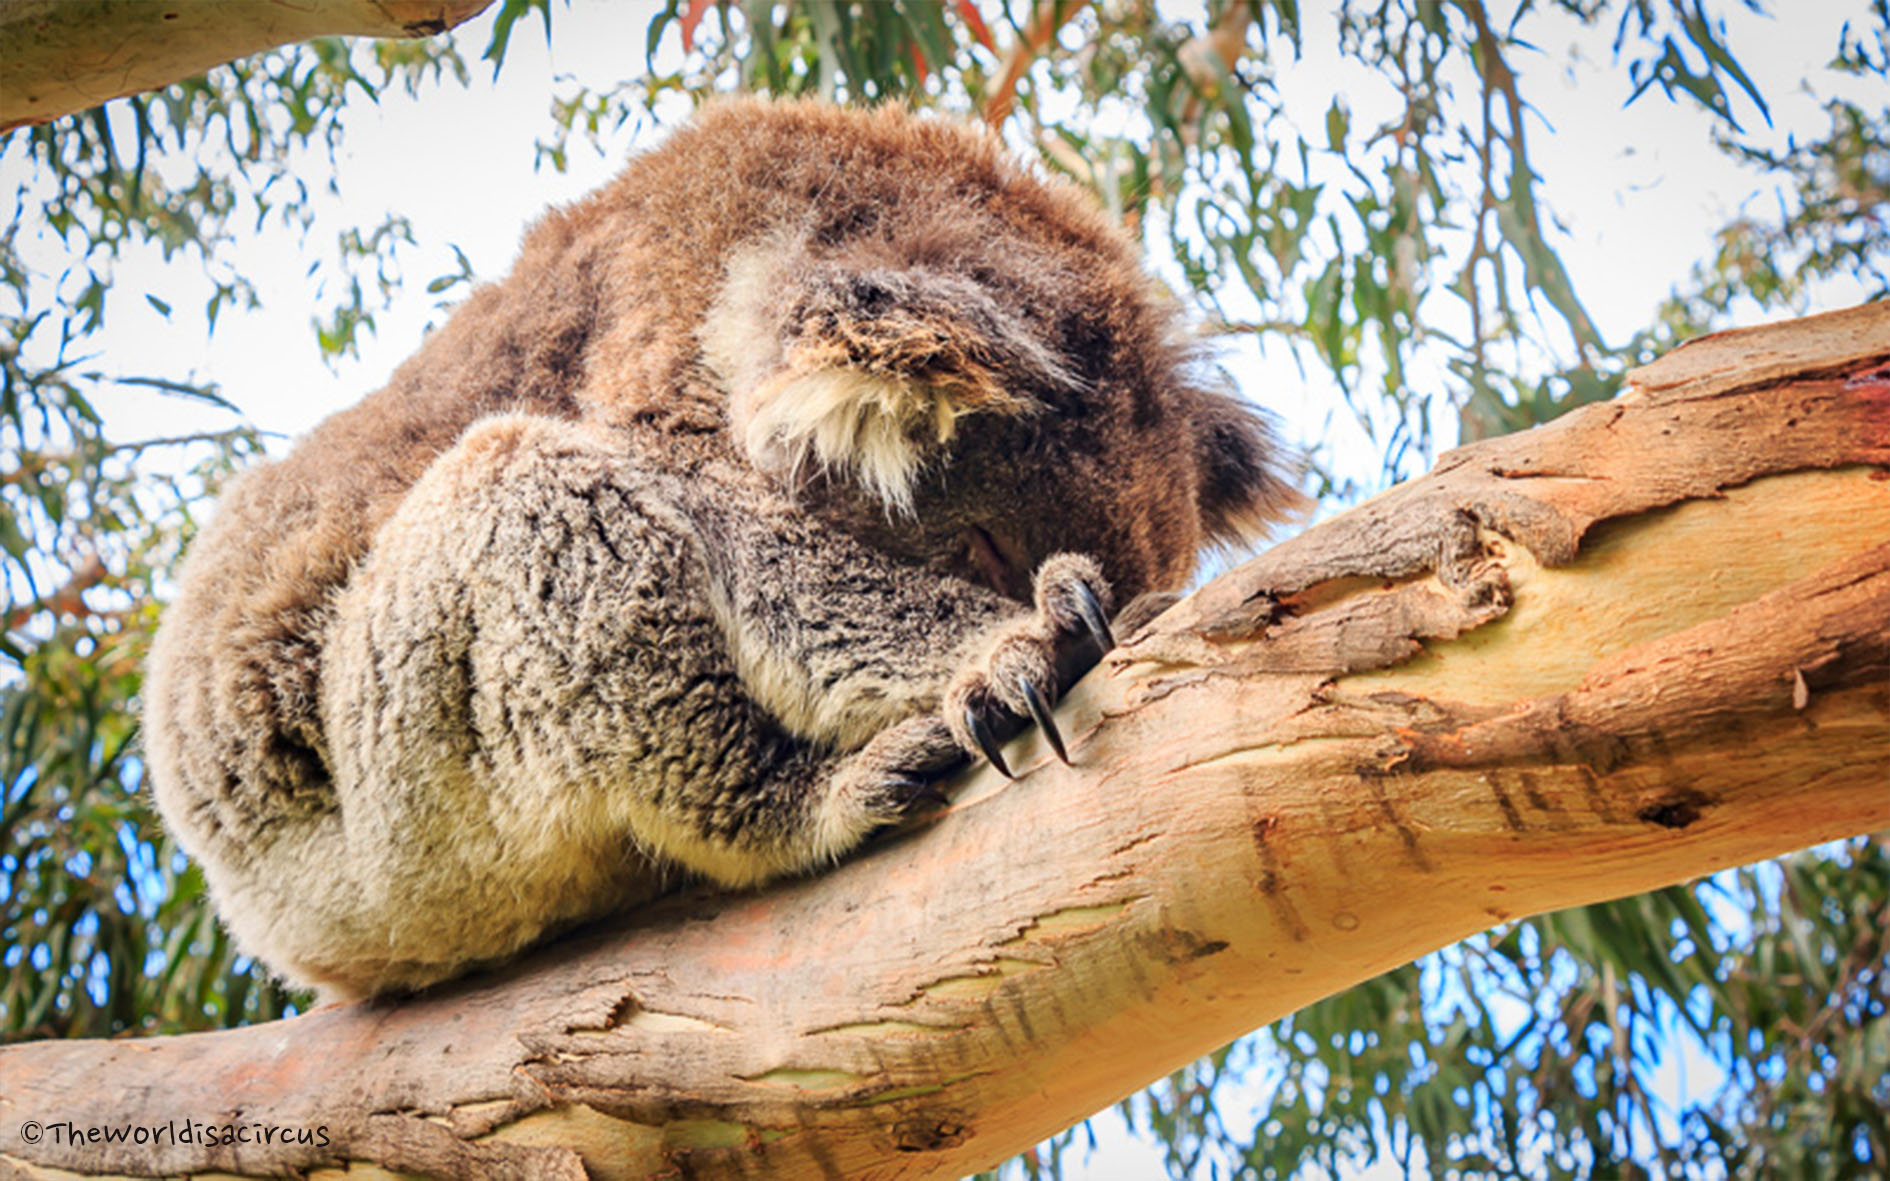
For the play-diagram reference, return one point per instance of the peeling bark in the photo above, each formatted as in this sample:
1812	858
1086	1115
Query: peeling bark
67	55
1643	643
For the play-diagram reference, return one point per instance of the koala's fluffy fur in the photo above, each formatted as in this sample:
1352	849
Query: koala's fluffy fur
665	552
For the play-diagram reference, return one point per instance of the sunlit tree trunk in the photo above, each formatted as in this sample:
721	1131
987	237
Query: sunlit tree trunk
62	56
1645	642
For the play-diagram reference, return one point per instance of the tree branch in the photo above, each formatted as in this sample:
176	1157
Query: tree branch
1638	645
67	55
1032	42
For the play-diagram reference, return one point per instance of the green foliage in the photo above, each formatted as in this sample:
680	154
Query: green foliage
99	933
845	51
102	932
1395	236
102	929
84	902
185	166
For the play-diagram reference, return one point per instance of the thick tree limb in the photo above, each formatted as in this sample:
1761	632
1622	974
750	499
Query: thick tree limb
1646	642
61	56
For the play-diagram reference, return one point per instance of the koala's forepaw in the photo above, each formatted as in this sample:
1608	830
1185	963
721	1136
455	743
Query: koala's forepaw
901	771
1028	664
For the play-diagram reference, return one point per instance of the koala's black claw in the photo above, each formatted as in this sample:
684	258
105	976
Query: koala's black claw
1093	617
986	742
1040	712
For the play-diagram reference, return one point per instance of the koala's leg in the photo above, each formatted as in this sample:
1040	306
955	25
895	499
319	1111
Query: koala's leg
522	689
530	705
536	711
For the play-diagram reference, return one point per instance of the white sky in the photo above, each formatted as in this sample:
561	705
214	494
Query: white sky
1639	189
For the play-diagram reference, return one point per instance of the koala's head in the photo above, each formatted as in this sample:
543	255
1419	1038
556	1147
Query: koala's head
946	351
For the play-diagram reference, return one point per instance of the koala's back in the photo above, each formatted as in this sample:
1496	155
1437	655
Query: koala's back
239	659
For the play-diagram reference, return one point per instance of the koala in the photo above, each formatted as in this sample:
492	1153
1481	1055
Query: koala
787	472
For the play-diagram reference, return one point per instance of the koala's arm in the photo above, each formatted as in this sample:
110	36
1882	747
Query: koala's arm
837	641
841	644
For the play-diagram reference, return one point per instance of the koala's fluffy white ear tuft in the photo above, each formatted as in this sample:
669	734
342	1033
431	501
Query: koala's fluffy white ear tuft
877	427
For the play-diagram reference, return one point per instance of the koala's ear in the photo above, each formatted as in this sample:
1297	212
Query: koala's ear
1246	481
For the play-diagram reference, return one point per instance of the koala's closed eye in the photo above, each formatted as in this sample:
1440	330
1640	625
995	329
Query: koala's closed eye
698	553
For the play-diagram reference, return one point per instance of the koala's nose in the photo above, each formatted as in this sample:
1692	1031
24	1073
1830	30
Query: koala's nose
870	295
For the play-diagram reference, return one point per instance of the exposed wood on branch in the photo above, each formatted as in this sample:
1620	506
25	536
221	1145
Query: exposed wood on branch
61	56
1646	642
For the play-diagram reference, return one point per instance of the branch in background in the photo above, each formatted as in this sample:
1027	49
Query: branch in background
67	55
1049	16
1254	328
1209	58
68	601
1542	269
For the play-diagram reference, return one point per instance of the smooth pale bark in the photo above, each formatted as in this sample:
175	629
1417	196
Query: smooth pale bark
1643	643
62	56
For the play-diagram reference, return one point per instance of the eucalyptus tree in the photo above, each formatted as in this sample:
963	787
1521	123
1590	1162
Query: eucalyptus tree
1396	236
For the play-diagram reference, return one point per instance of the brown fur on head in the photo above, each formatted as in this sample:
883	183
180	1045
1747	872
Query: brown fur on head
912	313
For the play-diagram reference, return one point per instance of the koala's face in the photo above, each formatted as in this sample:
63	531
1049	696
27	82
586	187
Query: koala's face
966	365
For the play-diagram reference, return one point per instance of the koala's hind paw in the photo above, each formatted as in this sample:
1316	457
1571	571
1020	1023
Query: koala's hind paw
1027	664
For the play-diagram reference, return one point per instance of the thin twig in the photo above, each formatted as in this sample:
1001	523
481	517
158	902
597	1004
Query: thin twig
1050	16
